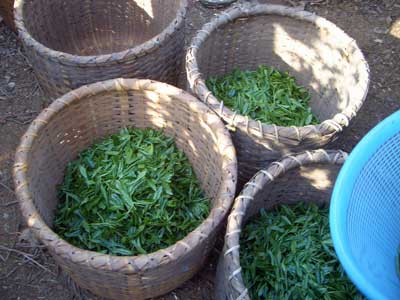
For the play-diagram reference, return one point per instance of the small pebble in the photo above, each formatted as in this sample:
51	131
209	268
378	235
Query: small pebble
378	41
380	30
11	85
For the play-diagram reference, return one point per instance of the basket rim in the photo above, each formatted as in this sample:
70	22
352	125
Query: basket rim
257	129
126	264
231	250
342	193
131	53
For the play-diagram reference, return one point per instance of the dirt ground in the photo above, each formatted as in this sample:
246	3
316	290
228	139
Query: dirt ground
26	270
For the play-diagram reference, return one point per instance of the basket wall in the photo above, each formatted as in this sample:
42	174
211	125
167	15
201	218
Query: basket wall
73	43
308	176
320	55
78	119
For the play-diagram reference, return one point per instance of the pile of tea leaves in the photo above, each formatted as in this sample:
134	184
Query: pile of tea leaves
265	95
288	254
132	193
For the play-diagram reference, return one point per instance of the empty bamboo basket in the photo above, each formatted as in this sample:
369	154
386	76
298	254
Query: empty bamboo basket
308	176
73	43
321	56
76	120
7	12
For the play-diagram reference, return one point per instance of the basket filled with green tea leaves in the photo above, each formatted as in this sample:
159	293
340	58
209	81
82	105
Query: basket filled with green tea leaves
283	80
132	193
127	183
278	243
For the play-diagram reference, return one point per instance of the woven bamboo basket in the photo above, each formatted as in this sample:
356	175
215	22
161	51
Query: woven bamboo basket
320	55
308	176
73	43
76	120
7	12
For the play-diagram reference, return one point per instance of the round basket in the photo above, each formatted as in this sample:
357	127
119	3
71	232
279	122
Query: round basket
76	120
321	56
6	11
308	176
365	212
73	43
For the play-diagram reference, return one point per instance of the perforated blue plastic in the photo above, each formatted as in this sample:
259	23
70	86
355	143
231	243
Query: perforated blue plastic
365	212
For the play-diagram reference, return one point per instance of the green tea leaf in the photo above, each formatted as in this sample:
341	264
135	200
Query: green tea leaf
266	95
288	254
132	193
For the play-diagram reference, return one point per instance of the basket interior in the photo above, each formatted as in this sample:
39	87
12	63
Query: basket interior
312	183
372	218
325	60
94	117
97	27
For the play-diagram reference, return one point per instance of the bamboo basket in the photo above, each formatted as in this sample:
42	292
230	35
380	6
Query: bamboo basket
7	12
73	43
307	176
321	56
76	120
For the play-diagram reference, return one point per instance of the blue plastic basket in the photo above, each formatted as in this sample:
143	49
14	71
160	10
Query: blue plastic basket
365	212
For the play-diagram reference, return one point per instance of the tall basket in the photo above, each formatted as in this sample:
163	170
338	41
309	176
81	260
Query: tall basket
308	176
321	56
73	43
78	119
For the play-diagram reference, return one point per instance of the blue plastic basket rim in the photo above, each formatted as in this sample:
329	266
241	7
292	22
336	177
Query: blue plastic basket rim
342	191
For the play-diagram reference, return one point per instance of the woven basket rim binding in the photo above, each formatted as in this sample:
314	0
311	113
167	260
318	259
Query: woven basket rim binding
105	262
140	50
275	170
254	128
